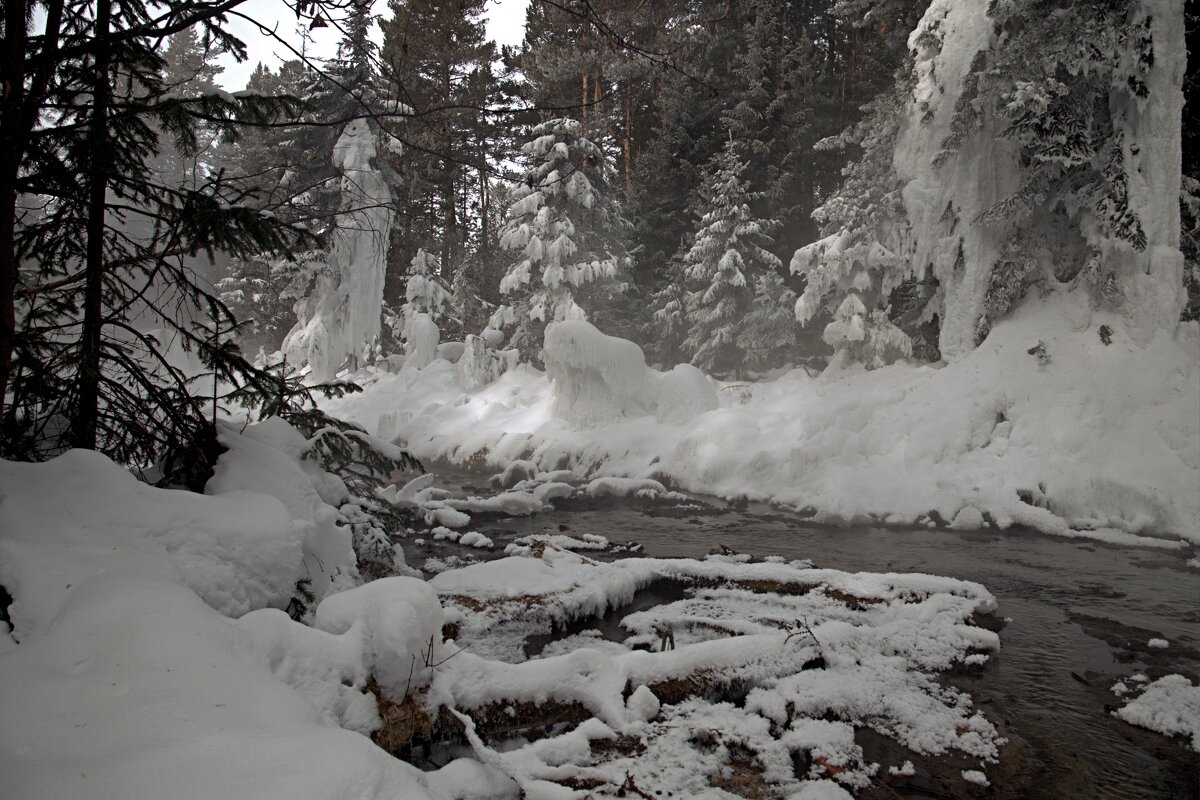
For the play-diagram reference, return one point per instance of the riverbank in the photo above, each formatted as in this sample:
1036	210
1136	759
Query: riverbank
1059	422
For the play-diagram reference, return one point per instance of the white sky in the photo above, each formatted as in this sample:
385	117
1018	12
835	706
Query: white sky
505	25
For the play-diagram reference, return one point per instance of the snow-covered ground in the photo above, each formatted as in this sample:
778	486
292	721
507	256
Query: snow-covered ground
1076	438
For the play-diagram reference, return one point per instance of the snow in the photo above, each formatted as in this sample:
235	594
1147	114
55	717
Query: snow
399	624
878	655
642	704
976	777
239	550
421	337
600	379
1102	442
1169	705
476	539
130	676
1161	644
267	457
597	378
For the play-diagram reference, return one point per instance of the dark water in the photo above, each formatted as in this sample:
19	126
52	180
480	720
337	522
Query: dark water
1076	617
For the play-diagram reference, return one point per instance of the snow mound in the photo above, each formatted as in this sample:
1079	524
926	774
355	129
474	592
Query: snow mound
399	621
127	679
683	393
421	337
240	550
597	378
1169	705
627	487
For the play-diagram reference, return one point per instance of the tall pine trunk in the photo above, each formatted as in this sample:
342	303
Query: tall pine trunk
18	115
87	409
11	147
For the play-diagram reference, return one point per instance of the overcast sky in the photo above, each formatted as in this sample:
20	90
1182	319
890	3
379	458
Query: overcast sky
505	24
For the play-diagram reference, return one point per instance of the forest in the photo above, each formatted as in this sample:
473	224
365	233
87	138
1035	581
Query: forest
704	398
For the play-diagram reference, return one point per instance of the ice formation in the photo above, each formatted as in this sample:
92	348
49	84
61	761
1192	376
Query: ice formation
341	319
599	379
421	337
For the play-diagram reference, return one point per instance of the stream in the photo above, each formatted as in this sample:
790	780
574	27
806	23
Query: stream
1076	617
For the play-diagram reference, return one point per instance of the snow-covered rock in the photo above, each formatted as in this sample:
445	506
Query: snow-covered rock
1169	705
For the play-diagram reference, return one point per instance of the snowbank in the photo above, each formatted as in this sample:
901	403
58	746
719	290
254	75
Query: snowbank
81	515
1102	439
129	680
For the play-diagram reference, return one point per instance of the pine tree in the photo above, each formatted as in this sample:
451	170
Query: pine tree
567	228
859	263
426	292
440	62
85	370
770	336
727	255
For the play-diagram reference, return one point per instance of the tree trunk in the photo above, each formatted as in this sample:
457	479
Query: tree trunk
11	147
83	427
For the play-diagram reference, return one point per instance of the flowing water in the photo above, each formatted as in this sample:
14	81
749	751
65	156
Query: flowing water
1076	617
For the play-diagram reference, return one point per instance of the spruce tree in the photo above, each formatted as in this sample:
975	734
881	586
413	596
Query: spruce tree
566	228
95	359
728	254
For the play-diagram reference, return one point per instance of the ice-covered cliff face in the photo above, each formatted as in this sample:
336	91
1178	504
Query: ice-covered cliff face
942	201
342	318
1153	279
1045	155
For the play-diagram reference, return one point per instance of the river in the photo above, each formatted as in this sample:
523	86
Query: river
1075	617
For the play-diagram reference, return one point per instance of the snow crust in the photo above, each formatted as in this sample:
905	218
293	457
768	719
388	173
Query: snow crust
1101	441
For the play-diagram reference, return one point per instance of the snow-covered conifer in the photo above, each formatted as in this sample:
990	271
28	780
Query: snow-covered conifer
426	292
727	254
769	335
852	272
566	227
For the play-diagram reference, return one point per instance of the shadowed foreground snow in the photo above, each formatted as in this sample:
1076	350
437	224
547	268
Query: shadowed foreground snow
1090	439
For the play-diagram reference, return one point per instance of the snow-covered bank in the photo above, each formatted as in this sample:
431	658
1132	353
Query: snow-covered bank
1045	425
129	680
